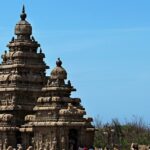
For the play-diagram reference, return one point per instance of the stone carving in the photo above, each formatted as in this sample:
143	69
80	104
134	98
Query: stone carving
63	142
58	73
30	118
30	148
33	142
41	144
19	147
71	110
4	144
49	82
54	144
69	84
36	144
6	117
9	148
46	144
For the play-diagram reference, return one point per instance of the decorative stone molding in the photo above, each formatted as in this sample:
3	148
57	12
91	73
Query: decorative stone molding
6	117
30	118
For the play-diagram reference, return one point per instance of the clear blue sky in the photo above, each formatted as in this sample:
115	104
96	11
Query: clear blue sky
104	46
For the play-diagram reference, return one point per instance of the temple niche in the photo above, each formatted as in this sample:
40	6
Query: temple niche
37	111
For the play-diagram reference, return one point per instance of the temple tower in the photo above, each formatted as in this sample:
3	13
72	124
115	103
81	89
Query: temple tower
59	121
22	75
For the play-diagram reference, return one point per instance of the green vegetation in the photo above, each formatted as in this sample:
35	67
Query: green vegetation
114	133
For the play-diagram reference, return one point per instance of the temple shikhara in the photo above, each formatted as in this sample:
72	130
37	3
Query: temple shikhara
37	111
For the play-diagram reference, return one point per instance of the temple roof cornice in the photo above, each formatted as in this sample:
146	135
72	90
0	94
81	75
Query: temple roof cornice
39	66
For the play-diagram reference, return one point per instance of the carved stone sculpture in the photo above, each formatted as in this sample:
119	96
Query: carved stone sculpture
9	148
30	148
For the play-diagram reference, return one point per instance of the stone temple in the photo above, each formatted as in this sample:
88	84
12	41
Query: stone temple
37	111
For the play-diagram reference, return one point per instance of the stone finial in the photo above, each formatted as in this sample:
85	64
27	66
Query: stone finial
58	73
58	62
23	29
12	40
69	83
40	50
23	15
33	39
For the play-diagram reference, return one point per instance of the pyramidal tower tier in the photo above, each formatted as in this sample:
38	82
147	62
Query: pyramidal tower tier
37	111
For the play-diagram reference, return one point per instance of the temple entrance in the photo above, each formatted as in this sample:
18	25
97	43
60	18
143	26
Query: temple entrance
73	139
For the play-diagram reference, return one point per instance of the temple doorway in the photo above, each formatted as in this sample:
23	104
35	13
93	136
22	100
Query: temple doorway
73	139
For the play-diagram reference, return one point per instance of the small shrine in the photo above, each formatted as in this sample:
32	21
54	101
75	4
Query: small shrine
37	111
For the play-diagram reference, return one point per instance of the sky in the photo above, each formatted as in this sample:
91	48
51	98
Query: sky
104	46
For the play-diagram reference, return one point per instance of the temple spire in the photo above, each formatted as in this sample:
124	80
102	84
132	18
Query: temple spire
23	15
23	9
